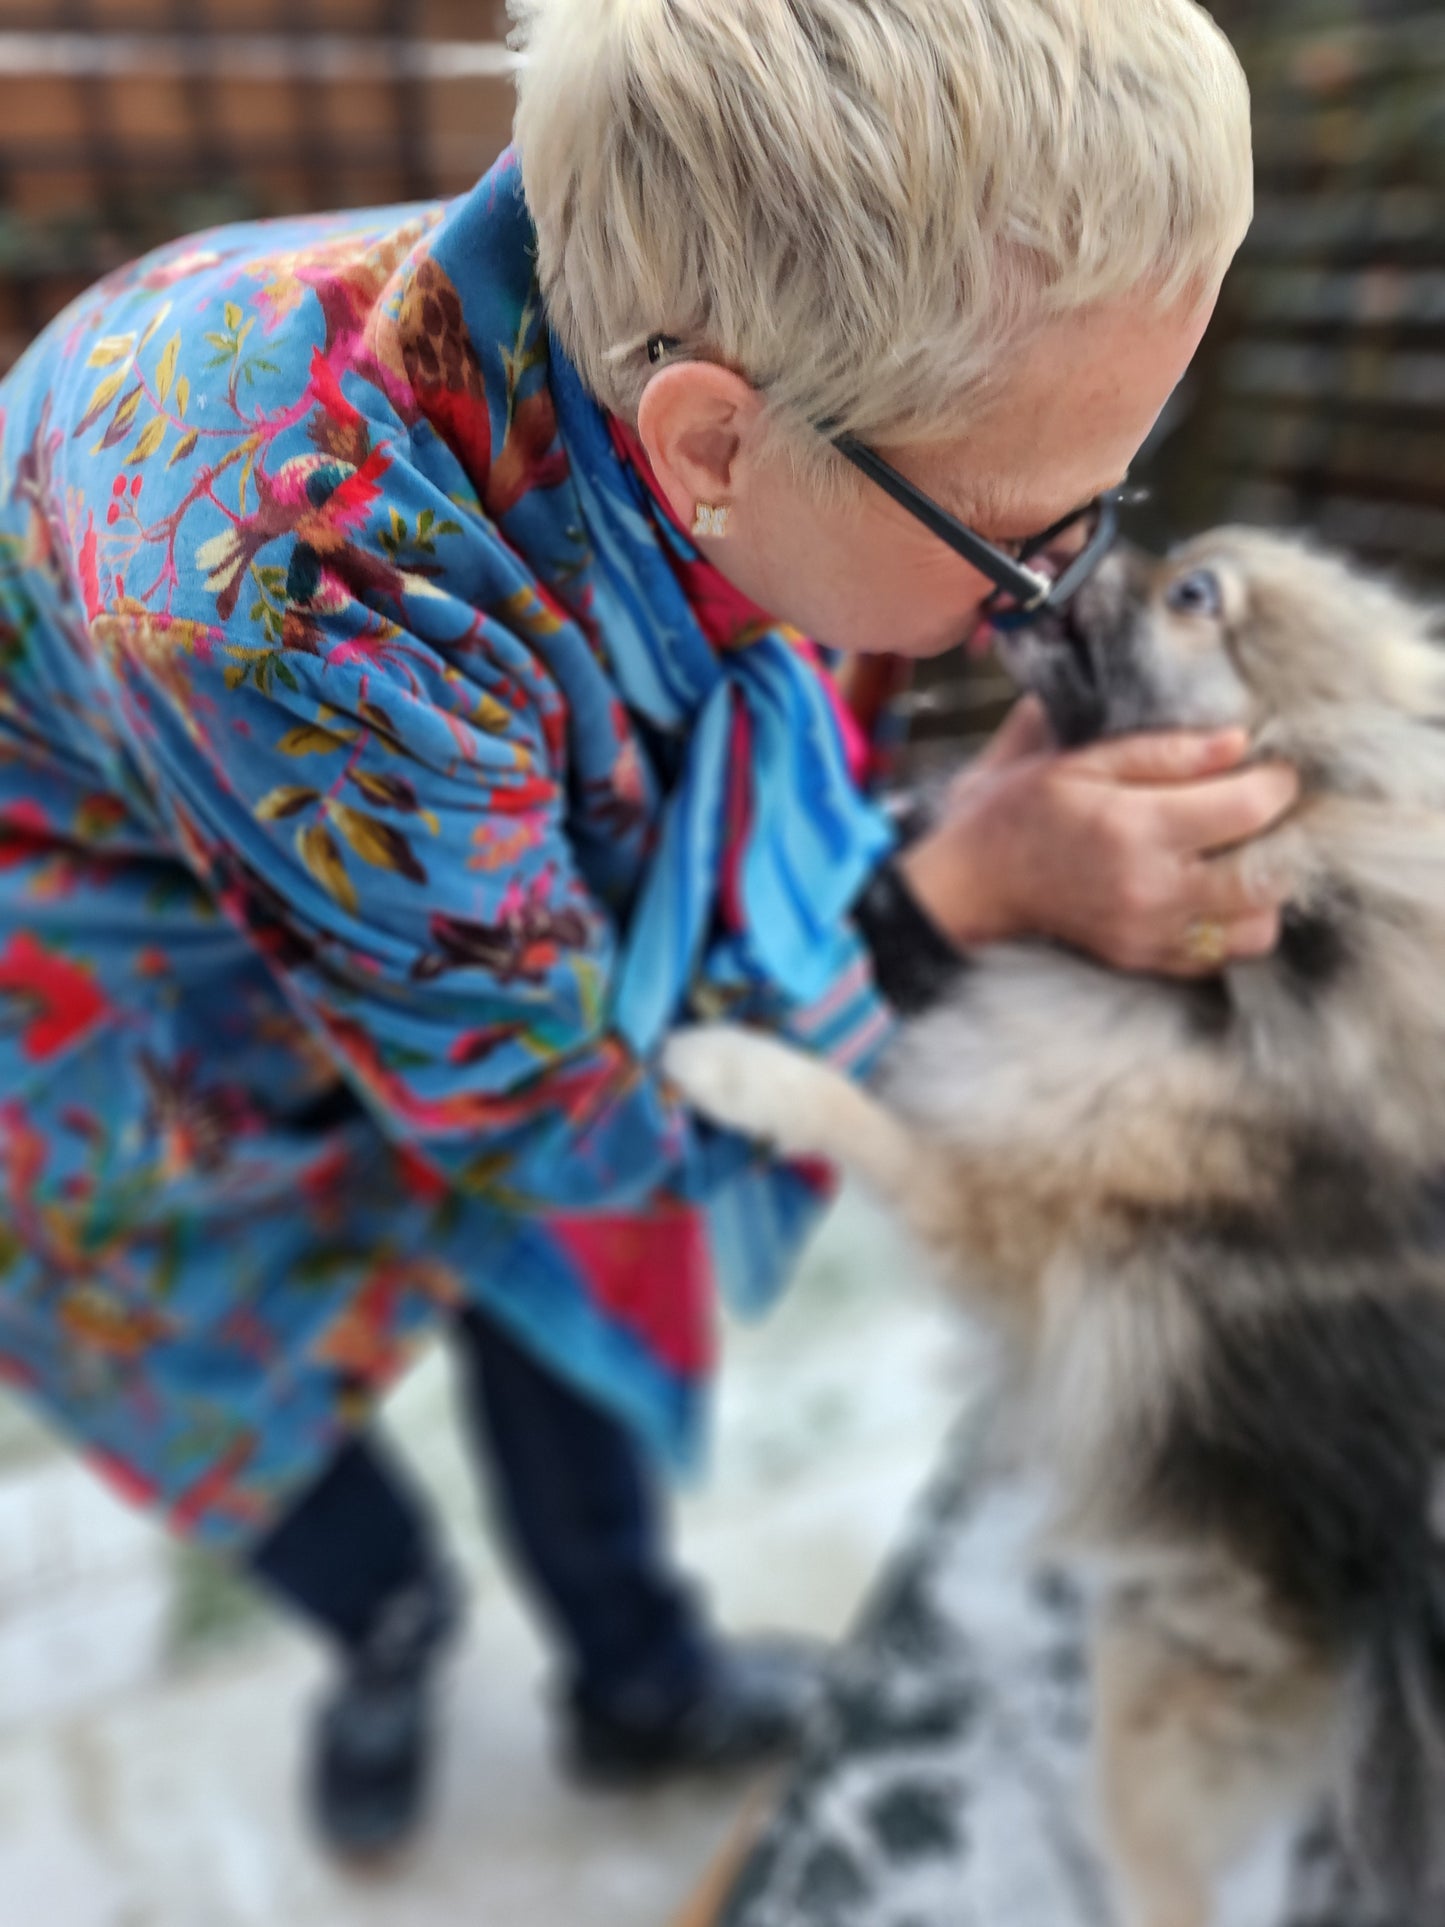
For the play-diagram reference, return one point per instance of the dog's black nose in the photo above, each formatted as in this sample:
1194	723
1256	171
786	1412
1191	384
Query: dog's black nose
1078	658
1075	699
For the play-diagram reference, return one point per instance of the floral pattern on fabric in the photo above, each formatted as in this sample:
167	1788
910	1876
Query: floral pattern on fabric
371	802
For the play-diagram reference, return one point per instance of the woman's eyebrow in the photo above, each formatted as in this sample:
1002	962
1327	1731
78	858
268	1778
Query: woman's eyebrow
984	509
995	515
1019	528
1022	533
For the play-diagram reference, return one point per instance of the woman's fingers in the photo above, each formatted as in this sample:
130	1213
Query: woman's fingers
1217	917
1256	936
1206	945
1227	891
1024	732
1198	818
1176	756
1217	911
1204	800
1139	852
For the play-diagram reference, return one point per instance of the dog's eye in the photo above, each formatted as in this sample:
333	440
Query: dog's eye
1199	594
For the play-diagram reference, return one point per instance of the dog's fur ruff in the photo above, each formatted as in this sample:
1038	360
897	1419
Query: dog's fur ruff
1207	1221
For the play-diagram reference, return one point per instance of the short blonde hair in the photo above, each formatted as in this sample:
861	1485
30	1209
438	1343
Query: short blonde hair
863	204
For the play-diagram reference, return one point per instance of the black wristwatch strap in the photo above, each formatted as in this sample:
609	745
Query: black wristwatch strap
913	962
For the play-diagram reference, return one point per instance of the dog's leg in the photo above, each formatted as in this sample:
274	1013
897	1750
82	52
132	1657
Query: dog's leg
765	1089
1212	1726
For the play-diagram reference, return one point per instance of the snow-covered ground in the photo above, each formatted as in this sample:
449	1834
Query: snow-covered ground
150	1715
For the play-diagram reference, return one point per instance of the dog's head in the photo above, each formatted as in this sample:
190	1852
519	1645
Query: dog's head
1237	627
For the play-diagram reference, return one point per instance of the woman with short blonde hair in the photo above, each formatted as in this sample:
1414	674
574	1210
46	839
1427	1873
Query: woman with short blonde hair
414	707
868	208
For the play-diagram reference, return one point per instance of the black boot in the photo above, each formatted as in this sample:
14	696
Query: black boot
752	1706
372	1746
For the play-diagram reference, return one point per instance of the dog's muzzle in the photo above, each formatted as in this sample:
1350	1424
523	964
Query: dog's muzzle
1056	661
1079	661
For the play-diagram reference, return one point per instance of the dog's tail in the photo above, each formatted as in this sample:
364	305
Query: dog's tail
1395	1737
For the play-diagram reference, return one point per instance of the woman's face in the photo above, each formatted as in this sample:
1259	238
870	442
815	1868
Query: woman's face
1066	422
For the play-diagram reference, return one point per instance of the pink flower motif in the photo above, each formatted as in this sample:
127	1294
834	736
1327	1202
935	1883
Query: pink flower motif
87	564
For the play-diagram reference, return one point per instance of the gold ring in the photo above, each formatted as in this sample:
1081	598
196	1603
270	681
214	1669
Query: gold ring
1206	943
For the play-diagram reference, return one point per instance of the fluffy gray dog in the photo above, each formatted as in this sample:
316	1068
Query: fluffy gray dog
1207	1221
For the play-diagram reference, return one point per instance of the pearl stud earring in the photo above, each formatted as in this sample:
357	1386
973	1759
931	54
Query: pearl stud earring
711	521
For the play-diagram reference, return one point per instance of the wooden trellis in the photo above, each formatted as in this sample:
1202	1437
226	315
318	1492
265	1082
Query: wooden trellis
1321	399
125	122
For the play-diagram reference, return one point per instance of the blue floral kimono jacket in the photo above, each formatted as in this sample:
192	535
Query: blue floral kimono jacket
371	803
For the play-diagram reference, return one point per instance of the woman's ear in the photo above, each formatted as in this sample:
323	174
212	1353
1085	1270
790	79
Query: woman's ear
697	422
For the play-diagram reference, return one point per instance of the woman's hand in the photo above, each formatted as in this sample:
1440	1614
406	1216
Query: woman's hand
1122	850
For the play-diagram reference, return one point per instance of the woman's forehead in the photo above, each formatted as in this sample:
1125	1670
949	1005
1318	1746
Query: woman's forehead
1012	506
1066	420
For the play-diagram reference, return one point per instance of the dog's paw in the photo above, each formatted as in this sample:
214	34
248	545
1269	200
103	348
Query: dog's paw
734	1077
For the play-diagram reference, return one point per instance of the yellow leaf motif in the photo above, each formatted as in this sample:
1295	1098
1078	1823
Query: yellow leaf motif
104	395
526	612
233	316
311	740
125	414
491	716
591	990
391	792
155	321
223	559
148	440
111	349
289	800
485	1178
183	447
377	843
317	849
183	394
380	721
166	367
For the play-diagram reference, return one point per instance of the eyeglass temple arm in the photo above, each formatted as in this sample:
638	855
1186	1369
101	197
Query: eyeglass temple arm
1025	585
1083	566
1129	495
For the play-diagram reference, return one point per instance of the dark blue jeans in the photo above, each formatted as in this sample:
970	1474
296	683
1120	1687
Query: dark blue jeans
578	1508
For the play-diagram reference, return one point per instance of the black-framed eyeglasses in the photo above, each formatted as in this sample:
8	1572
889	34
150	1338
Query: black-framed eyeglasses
1021	594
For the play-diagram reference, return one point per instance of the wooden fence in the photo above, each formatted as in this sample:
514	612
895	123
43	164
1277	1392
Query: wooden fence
1321	398
124	122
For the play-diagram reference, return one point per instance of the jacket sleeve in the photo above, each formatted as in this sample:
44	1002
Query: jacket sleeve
390	831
